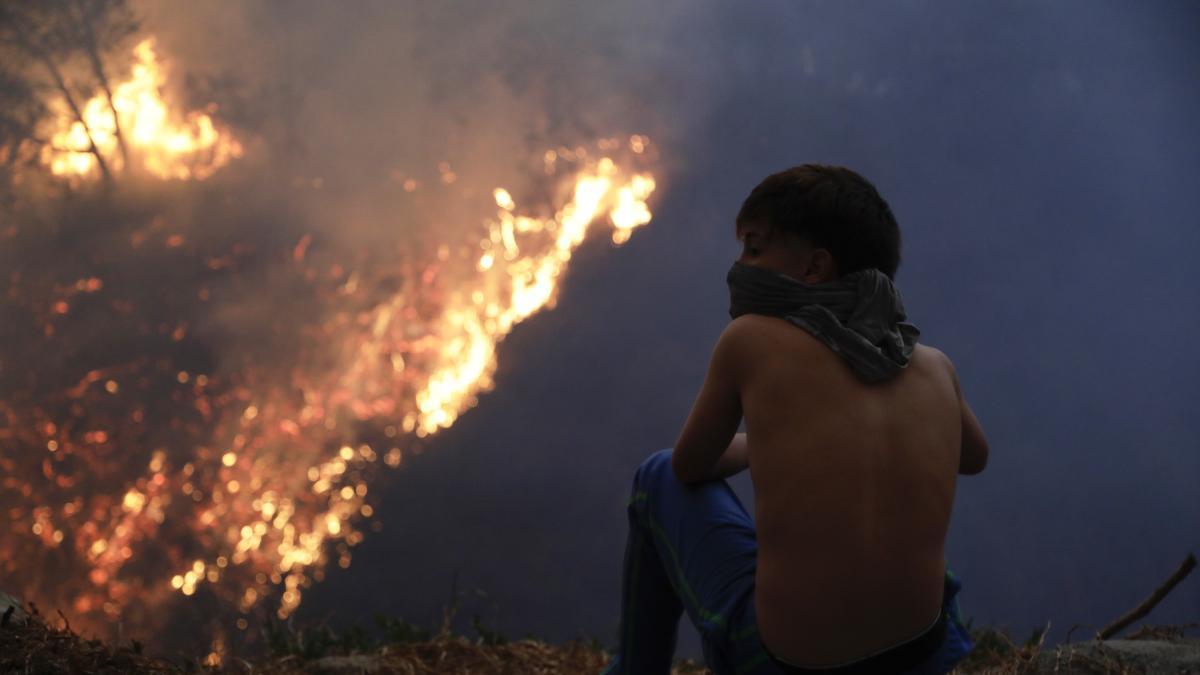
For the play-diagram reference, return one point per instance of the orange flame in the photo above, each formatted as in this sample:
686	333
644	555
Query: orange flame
519	267
429	381
168	147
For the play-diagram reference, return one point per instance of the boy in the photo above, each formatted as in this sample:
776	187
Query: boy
855	434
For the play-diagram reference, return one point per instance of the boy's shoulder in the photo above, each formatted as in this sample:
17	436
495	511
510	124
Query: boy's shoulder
752	338
755	337
750	329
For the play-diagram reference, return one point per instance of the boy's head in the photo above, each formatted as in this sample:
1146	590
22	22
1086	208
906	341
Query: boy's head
816	223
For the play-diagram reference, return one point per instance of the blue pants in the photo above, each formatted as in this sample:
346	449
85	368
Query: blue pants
693	548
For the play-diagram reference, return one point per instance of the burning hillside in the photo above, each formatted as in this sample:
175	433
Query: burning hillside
151	457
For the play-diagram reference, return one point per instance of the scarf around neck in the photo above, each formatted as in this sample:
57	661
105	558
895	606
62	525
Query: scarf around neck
859	316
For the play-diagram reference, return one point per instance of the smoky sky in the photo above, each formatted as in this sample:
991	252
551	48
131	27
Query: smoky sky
1043	162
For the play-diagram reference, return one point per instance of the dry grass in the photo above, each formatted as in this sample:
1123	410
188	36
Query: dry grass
33	646
995	654
458	655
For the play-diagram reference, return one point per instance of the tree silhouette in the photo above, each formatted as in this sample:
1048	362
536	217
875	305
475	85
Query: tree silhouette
20	110
49	38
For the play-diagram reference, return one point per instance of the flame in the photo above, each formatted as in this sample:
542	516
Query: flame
465	362
516	269
167	146
245	485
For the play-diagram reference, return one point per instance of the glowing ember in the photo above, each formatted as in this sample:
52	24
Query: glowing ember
166	145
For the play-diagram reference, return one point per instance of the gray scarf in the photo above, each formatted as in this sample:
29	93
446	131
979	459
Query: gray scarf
859	316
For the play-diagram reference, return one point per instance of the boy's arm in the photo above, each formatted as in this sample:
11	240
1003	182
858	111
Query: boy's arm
974	454
734	460
707	447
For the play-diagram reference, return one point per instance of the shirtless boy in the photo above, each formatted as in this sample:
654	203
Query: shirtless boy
855	435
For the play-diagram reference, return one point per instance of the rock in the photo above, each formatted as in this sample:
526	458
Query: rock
1152	657
7	601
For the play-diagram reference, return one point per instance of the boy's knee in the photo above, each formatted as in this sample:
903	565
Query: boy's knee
652	470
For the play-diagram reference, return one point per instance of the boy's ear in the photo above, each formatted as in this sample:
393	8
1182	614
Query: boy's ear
821	267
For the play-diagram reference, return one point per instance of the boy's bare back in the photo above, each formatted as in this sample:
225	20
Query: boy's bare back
854	485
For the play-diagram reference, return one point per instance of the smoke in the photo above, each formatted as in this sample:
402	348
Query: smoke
381	130
362	97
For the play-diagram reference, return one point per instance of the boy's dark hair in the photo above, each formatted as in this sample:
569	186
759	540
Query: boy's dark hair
831	207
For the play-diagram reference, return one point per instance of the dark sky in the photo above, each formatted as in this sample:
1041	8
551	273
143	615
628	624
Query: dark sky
1043	160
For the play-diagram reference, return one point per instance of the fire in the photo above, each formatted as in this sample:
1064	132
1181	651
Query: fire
135	481
422	372
146	481
522	283
167	145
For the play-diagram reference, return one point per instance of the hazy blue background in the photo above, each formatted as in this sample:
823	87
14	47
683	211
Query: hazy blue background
1043	160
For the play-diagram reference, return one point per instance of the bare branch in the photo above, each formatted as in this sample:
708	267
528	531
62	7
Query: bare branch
1185	568
89	14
